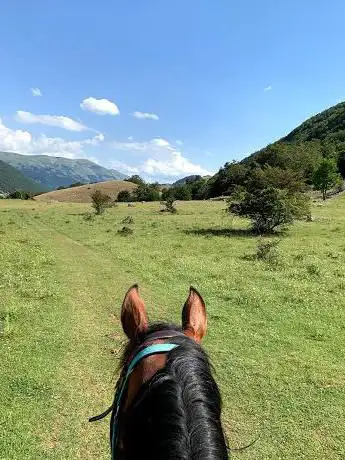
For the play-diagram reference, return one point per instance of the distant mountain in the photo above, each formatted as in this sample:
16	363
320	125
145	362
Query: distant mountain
53	172
11	180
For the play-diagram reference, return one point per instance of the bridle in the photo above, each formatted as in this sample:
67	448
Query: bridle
149	347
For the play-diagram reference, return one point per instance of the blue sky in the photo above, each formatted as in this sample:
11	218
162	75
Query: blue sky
212	80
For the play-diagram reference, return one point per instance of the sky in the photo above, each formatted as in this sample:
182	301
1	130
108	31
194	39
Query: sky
163	88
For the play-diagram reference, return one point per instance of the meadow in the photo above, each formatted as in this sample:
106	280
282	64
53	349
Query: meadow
276	332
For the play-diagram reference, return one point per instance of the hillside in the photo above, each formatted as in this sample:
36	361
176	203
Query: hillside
322	135
53	172
328	125
11	179
83	193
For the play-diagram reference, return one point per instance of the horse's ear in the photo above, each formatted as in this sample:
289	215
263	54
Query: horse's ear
194	318
133	313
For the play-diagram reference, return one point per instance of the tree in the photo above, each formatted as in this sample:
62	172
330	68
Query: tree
269	208
169	205
100	201
136	179
124	196
147	192
326	176
182	193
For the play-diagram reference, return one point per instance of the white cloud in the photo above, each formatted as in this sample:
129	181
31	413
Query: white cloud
177	165
124	168
268	88
100	106
146	116
130	138
145	146
36	92
59	121
162	159
179	143
16	140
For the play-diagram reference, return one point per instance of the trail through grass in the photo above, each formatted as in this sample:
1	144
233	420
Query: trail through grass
276	331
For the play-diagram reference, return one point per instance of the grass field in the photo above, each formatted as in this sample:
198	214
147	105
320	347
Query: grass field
276	331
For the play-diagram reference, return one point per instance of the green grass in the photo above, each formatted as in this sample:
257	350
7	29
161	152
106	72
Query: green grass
276	330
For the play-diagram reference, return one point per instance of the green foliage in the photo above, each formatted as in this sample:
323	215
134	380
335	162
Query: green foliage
341	163
182	193
267	250
124	196
147	192
269	208
276	177
19	195
169	205
135	179
326	176
100	201
125	231
128	220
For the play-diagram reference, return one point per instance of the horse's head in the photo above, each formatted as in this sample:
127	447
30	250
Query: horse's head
167	404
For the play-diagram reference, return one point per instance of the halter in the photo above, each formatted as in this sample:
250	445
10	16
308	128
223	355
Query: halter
139	354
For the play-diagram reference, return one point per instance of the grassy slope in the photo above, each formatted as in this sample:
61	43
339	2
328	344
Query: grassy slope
82	194
276	334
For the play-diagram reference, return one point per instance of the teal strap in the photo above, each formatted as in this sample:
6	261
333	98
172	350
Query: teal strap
148	351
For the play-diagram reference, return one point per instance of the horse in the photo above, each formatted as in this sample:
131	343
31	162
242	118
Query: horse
167	404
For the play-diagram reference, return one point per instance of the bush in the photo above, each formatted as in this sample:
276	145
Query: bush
126	231
100	201
269	208
124	196
267	250
128	220
20	195
169	205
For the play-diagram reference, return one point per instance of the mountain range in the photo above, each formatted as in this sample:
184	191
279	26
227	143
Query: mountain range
53	172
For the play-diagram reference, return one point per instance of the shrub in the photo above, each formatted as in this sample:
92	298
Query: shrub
128	220
126	231
100	201
269	208
267	250
124	196
169	205
88	216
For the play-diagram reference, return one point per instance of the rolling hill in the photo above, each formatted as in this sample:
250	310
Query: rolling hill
82	194
11	179
53	172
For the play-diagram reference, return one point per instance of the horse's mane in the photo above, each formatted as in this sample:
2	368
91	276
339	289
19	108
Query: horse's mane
176	414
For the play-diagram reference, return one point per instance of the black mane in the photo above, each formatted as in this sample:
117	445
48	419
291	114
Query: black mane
176	415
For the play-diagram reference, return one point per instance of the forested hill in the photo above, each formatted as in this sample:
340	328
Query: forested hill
328	125
11	180
322	135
